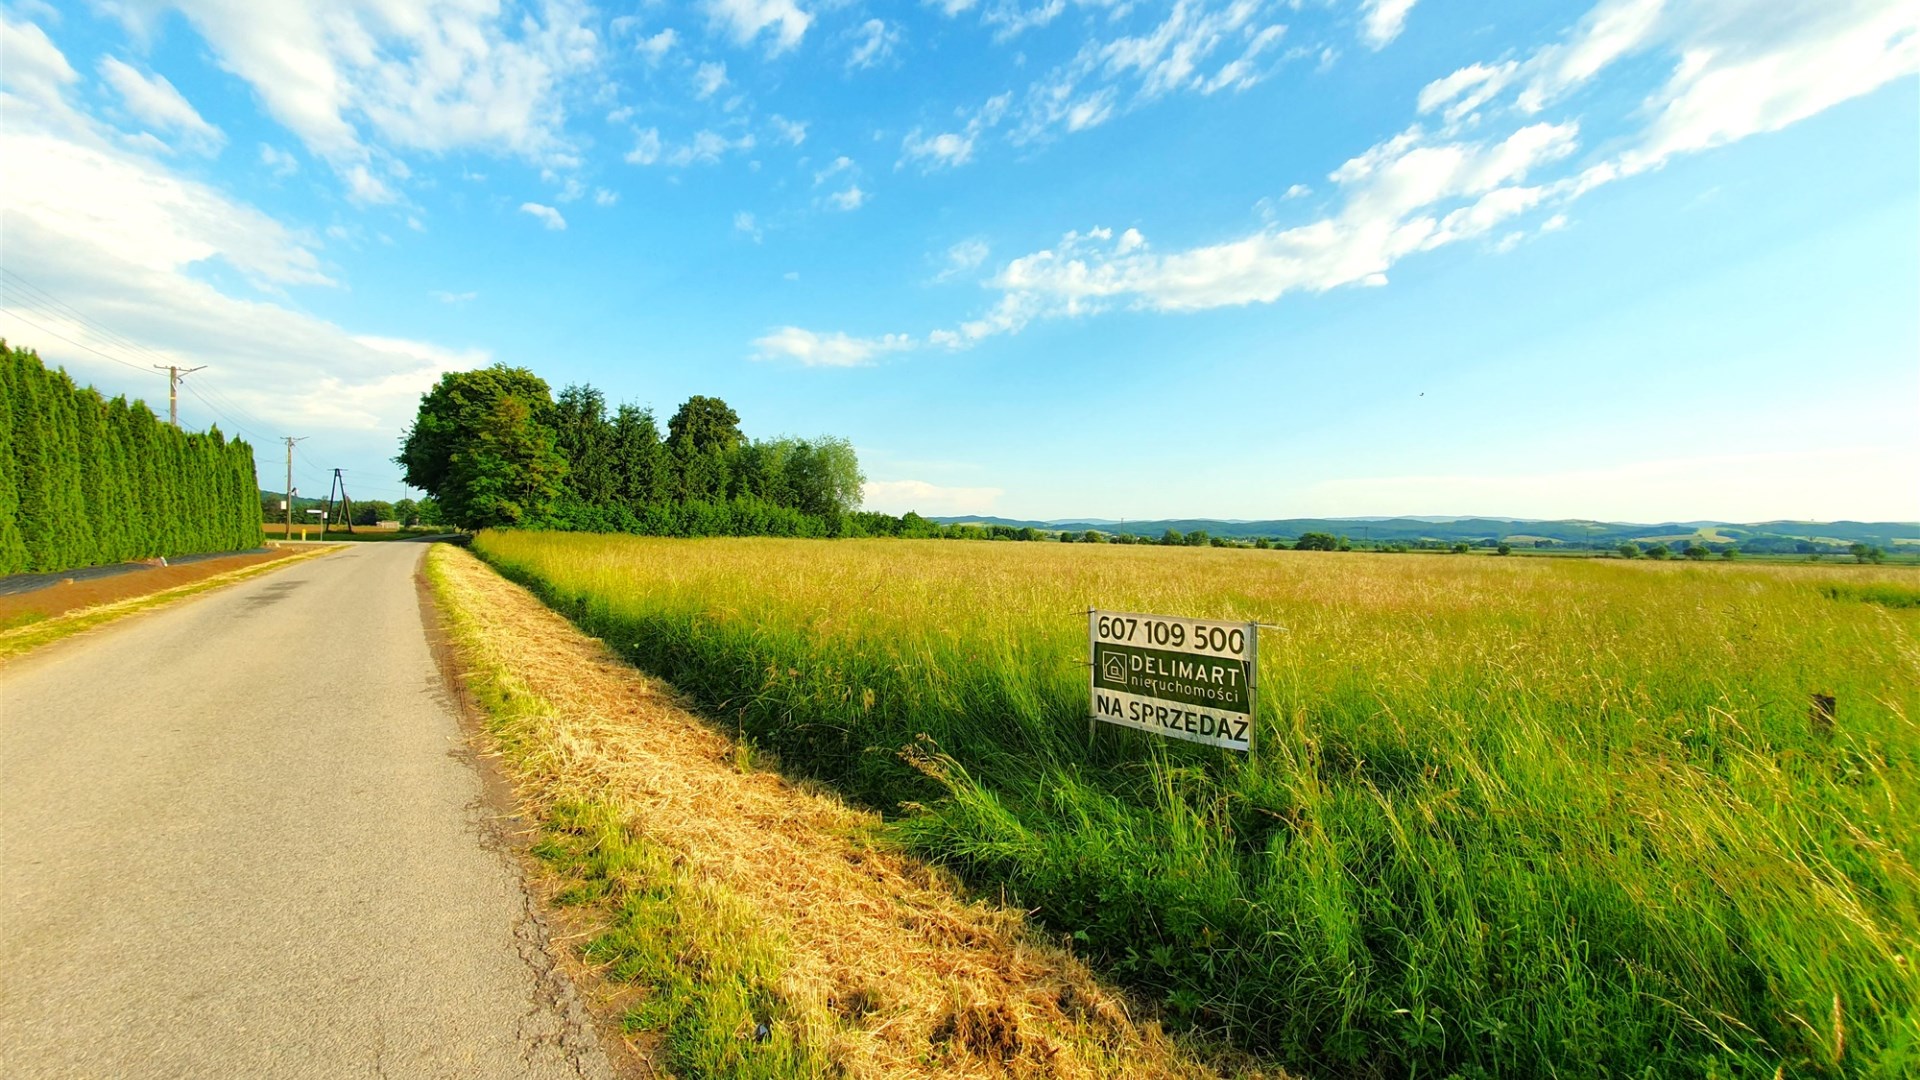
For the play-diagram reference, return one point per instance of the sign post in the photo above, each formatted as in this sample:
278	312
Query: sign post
1191	679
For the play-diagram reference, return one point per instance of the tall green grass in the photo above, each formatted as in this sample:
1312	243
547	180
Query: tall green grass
1506	817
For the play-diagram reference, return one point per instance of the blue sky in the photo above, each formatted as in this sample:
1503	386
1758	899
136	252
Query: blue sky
1637	260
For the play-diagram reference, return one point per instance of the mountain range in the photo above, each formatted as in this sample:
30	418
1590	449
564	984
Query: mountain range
1568	532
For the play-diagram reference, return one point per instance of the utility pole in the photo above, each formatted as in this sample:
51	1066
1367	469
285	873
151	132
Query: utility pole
346	504
174	374
290	440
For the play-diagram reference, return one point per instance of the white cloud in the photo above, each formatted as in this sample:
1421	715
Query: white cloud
603	197
1382	20
1011	20
810	349
83	189
646	149
119	237
705	148
1613	29
849	198
439	76
944	150
791	132
282	163
963	258
546	215
842	164
1405	195
446	297
657	46
1465	90
745	20
1200	46
708	79
1739	70
743	222
155	102
930	500
365	188
948	149
1744	76
875	41
35	70
1298	191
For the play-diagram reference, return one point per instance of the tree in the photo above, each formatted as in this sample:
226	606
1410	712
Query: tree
483	446
1730	552
1867	553
373	512
1628	549
585	438
1462	547
508	474
821	476
1092	536
704	424
1316	541
454	417
1504	548
639	459
1659	551
85	481
1696	552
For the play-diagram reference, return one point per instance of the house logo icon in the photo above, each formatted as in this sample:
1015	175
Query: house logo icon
1113	668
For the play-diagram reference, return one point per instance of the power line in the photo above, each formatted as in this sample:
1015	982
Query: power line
41	297
234	407
234	414
70	341
238	428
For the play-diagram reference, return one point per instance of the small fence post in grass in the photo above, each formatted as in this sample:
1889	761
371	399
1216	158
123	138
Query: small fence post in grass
1820	715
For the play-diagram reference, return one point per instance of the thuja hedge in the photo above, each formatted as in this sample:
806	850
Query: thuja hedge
85	480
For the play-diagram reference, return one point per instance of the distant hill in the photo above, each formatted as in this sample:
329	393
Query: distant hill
1781	535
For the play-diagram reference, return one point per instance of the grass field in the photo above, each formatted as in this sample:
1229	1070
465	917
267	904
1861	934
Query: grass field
1507	817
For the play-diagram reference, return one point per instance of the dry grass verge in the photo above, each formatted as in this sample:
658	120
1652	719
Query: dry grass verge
65	623
775	931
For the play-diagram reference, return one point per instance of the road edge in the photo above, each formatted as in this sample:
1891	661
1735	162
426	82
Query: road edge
587	1004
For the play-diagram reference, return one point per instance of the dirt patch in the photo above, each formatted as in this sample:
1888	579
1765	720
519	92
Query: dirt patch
891	970
19	609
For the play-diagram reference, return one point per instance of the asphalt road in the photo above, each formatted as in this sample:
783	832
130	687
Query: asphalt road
244	836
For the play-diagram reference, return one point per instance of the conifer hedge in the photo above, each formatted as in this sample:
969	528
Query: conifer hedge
86	481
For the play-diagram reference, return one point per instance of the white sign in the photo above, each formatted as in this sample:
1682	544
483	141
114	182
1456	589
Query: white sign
1189	679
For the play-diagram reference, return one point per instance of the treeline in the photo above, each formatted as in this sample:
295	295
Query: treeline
85	480
494	447
408	512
